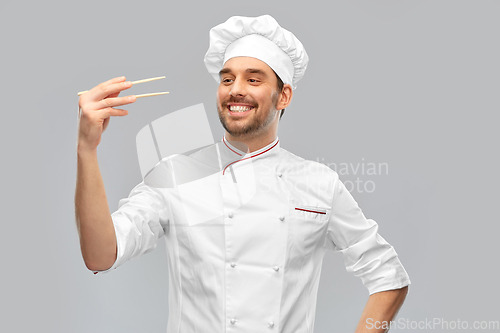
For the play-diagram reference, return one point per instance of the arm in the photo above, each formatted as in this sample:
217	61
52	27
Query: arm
380	309
370	257
93	218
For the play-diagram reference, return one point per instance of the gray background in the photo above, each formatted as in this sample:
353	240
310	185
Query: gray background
413	84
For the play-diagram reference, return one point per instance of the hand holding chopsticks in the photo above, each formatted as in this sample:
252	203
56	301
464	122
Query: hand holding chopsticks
141	81
99	104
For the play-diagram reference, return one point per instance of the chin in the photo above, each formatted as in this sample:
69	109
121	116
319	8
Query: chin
239	132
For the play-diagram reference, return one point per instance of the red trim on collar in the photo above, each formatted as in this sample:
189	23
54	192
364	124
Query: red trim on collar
246	158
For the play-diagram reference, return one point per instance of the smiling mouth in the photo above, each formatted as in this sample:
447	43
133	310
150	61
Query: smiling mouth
239	108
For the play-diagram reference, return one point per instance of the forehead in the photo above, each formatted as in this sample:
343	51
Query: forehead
243	64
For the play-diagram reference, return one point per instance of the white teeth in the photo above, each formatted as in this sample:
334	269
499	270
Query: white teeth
239	108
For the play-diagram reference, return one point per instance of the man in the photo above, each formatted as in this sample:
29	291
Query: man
257	268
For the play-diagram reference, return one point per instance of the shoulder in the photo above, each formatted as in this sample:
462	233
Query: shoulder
310	182
296	165
307	176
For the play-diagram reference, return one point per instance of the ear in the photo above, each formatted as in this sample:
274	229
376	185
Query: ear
285	97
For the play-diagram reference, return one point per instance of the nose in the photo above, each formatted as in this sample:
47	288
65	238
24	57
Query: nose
237	88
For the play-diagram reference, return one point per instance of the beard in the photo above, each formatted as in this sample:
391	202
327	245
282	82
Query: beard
254	125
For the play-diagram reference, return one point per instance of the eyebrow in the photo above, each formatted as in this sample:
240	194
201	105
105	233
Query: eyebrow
249	70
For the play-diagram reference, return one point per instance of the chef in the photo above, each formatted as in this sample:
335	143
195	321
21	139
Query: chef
246	240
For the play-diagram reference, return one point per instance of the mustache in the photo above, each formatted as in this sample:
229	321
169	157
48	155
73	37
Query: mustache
238	100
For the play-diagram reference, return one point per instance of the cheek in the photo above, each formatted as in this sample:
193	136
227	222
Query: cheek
221	94
269	93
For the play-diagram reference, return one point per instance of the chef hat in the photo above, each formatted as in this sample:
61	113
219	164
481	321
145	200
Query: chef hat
258	37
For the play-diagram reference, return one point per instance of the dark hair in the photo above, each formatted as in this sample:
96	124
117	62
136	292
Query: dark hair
280	89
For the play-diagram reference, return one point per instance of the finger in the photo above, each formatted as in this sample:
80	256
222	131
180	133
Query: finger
108	88
115	80
115	101
111	112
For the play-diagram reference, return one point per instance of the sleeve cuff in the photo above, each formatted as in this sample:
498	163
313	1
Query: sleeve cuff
392	276
119	249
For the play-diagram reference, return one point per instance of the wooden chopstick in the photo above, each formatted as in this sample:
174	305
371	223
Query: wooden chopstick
136	82
151	94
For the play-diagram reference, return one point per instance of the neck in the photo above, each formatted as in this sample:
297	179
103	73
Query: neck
251	144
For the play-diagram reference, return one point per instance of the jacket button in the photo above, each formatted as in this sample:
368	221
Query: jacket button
271	324
232	320
230	215
276	268
233	264
279	174
282	218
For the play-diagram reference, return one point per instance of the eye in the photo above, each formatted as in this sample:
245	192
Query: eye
253	80
226	80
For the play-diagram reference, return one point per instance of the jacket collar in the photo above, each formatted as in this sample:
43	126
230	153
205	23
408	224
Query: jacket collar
237	152
235	155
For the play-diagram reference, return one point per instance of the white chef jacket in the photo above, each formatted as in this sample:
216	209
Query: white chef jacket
250	261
